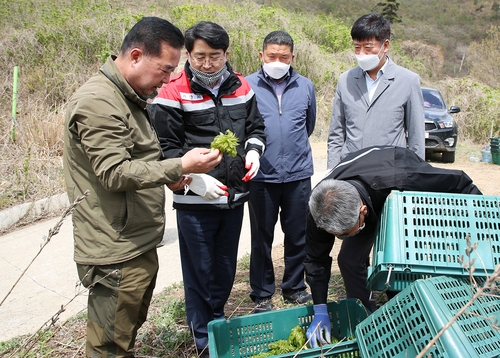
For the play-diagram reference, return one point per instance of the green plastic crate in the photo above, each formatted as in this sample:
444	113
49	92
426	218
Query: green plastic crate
422	235
403	326
246	336
495	157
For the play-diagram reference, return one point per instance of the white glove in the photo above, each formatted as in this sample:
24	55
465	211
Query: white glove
252	163
206	186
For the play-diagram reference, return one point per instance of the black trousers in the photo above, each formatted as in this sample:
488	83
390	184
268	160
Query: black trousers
267	201
353	260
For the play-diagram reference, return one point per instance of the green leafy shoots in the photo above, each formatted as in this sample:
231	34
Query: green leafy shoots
296	340
226	143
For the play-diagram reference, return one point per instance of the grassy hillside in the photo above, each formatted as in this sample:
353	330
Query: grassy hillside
58	44
451	25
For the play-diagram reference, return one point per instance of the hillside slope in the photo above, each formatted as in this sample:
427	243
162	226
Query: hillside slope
452	25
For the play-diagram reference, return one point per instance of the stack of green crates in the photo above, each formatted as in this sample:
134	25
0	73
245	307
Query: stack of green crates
405	324
423	235
246	336
495	150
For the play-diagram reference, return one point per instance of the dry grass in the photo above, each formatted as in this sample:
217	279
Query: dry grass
31	164
67	339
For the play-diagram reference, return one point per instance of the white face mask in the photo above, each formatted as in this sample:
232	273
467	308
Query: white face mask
369	62
276	69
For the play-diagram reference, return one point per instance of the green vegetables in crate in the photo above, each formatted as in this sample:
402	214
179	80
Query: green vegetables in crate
226	143
297	337
296	340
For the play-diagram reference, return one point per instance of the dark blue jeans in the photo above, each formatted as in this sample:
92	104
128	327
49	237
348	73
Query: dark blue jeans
208	242
267	200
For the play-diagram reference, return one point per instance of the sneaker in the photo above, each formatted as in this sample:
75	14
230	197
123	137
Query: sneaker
262	305
300	296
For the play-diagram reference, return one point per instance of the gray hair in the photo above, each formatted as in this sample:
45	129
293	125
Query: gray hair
334	205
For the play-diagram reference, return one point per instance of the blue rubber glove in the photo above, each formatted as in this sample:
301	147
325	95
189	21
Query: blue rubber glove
319	330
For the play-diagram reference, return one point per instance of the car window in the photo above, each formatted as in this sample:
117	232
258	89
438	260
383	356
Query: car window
433	99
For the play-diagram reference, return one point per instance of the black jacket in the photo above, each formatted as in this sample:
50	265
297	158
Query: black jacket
187	115
375	172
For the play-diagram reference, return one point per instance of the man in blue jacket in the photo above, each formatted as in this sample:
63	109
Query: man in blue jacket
287	102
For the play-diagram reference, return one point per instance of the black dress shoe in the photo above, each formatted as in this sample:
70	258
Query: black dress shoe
262	305
300	296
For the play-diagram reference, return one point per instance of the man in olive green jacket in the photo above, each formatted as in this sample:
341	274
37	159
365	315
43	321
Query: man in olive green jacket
111	150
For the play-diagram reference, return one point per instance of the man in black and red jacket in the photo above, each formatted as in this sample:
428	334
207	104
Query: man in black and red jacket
205	99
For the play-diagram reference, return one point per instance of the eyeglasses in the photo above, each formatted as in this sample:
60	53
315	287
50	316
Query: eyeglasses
360	227
212	59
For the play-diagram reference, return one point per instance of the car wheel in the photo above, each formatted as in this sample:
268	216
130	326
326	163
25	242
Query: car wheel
448	157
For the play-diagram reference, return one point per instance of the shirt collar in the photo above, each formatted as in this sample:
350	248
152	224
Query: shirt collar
380	72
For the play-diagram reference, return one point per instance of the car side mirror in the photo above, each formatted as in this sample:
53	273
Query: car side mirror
454	109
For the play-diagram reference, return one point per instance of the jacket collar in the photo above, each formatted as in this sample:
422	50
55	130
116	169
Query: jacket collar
365	197
110	70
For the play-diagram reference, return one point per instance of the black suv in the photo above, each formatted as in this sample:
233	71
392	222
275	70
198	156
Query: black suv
440	127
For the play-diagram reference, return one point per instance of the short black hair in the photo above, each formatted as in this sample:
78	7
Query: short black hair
214	35
149	33
371	26
278	37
